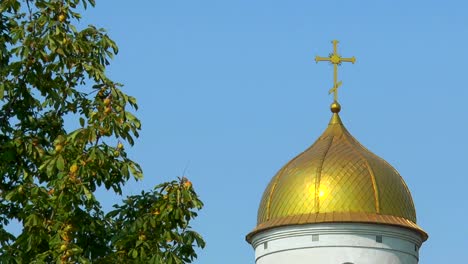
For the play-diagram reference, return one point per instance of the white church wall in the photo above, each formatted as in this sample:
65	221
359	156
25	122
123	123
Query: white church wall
337	243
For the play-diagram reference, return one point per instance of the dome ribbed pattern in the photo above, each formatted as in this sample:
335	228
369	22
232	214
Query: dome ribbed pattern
337	180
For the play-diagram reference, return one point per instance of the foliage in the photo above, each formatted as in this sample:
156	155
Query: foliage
64	126
158	222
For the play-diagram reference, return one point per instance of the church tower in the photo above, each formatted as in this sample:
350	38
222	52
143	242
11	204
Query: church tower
337	203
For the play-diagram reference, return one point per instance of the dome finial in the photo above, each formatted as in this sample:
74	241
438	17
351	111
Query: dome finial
335	107
335	59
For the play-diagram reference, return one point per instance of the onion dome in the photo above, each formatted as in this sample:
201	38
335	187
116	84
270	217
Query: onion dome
336	180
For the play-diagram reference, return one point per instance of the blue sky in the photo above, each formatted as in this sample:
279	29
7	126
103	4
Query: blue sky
229	92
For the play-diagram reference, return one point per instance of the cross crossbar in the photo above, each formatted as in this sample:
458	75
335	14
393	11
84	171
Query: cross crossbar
335	59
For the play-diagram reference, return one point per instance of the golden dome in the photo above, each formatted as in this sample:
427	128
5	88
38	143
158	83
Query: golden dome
336	180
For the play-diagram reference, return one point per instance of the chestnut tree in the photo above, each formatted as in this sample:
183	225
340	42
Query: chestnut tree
64	127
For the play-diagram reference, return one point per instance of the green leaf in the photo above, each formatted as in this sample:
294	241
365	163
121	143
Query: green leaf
138	243
60	163
51	167
9	196
134	253
88	194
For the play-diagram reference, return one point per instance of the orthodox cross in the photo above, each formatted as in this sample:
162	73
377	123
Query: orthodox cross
335	59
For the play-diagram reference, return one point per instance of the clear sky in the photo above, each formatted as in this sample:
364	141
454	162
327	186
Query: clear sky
229	92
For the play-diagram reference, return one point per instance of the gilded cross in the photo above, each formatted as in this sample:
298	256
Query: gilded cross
335	59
